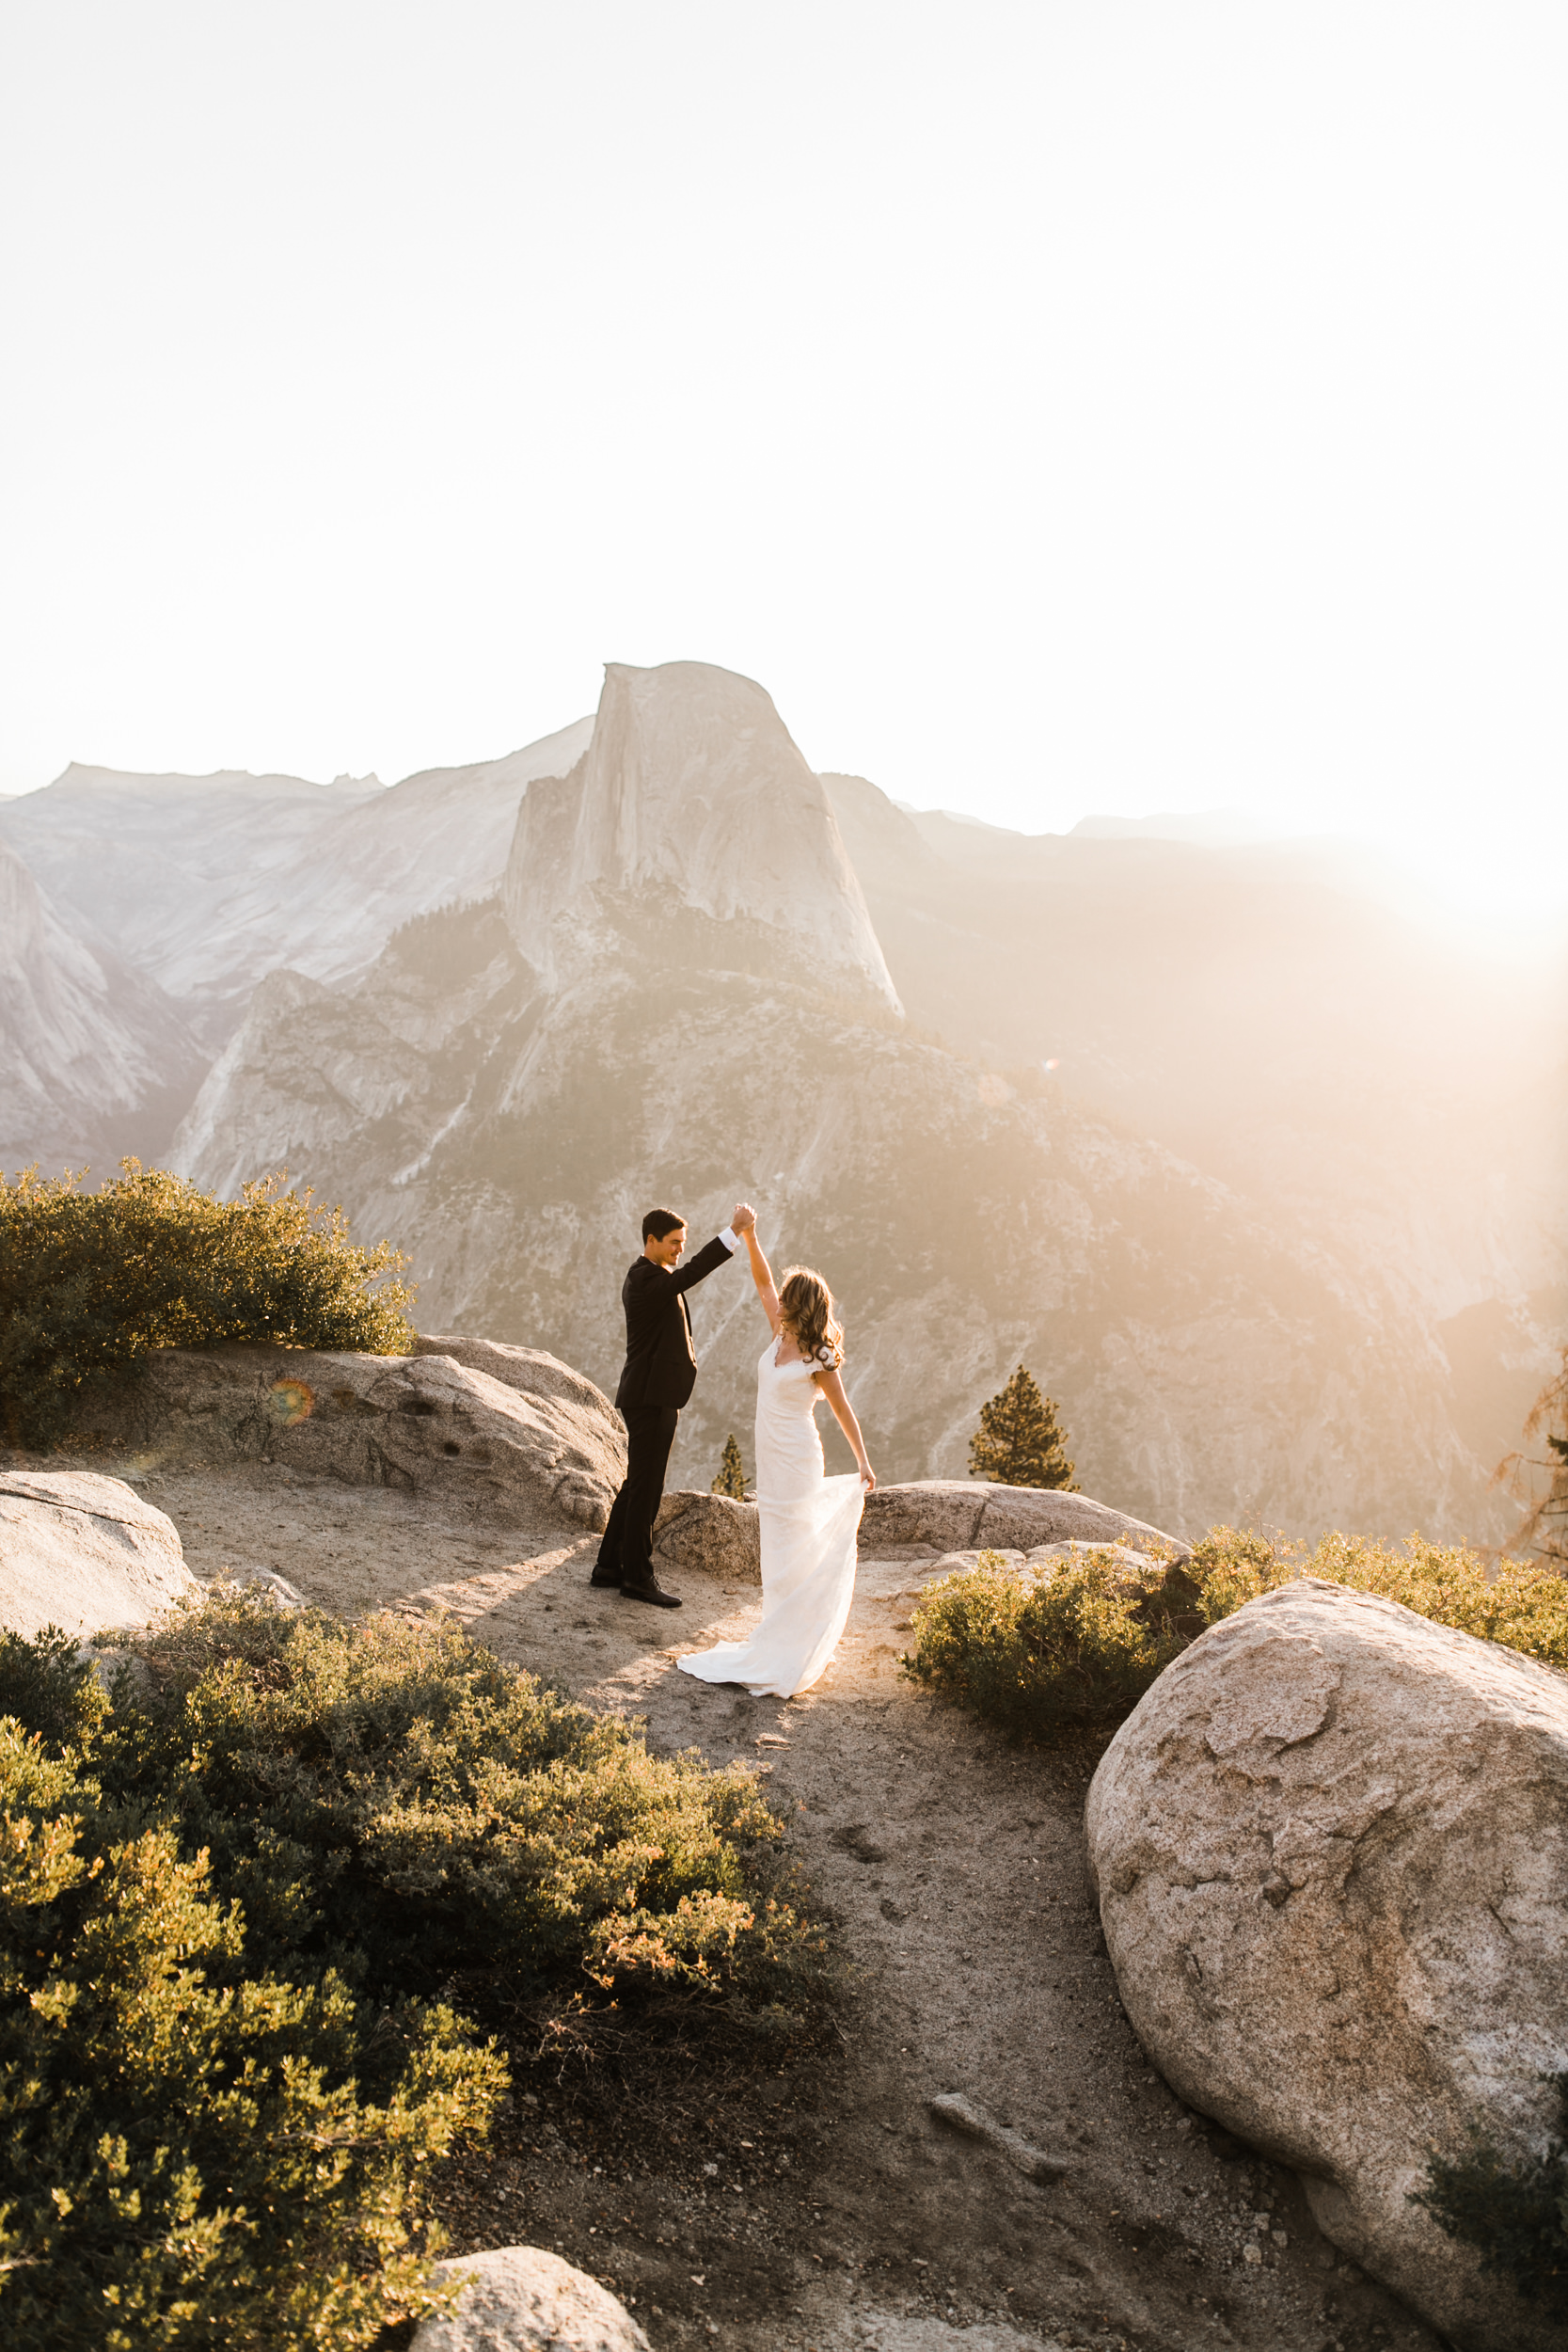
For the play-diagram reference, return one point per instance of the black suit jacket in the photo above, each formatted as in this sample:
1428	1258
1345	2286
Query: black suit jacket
661	1363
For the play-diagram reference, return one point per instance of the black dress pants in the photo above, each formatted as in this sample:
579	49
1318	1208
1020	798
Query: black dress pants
626	1546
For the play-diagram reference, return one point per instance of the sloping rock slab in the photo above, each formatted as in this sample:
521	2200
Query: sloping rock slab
521	2299
723	1537
711	1532
533	1373
971	1514
426	1424
1330	1845
83	1552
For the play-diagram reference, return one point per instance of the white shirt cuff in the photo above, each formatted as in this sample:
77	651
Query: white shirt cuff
731	1239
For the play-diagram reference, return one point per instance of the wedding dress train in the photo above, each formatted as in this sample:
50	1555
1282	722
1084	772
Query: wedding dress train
809	1526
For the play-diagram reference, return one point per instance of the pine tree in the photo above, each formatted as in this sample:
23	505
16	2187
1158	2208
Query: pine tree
732	1478
1020	1441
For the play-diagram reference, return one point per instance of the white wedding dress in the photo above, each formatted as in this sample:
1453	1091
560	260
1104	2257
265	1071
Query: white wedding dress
809	1526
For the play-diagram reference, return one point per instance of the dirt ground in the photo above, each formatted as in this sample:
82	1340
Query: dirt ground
827	2209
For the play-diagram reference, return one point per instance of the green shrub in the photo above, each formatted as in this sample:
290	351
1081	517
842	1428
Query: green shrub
1077	1648
1523	1607
90	1282
49	1685
186	2158
389	1800
1515	2216
240	1910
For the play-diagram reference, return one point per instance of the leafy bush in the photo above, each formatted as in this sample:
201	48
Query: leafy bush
235	1909
50	1687
1039	1654
90	1282
392	1802
186	2156
1077	1648
1524	1608
1515	2216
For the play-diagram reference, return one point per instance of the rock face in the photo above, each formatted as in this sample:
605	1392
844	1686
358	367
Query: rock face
95	1060
723	1537
531	1372
711	1532
971	1514
1330	1846
83	1552
692	799
541	1446
521	2299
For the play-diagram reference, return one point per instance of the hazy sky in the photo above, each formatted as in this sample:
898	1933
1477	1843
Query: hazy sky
1059	407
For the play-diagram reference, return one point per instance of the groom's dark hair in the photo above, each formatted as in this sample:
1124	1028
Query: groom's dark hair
658	1222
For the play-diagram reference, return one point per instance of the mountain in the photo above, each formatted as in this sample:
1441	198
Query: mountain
1245	1227
209	882
97	1062
691	802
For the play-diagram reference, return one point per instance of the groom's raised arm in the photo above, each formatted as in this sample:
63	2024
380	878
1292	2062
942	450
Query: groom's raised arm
717	1253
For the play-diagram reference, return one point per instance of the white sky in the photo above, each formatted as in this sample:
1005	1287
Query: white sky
1117	406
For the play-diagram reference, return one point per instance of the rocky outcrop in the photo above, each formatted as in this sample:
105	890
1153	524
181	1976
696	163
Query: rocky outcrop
712	1533
86	1553
971	1514
518	2298
543	1456
531	1372
694	798
1330	1846
716	1534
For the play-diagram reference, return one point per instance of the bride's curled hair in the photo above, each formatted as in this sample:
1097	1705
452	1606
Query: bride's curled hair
806	1304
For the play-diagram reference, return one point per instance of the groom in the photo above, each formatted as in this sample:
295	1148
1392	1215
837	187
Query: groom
659	1375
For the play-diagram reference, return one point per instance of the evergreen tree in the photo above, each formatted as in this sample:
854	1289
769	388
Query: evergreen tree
1020	1441
732	1478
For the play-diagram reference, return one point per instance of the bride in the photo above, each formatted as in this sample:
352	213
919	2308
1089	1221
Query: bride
809	1521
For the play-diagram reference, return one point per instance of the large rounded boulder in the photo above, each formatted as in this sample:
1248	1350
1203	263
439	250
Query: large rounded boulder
1331	1849
84	1552
519	2298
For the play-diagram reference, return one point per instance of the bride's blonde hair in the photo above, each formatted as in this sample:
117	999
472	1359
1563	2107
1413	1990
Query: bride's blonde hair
806	1306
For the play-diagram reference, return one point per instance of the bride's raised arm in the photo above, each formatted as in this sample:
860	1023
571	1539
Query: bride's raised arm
762	1276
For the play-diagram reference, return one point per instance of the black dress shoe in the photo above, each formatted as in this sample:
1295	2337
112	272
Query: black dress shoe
653	1593
603	1575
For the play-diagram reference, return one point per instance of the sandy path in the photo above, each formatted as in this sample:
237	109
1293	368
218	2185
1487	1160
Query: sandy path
955	1869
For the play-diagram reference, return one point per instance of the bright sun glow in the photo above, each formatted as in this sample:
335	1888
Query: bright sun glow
1061	411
